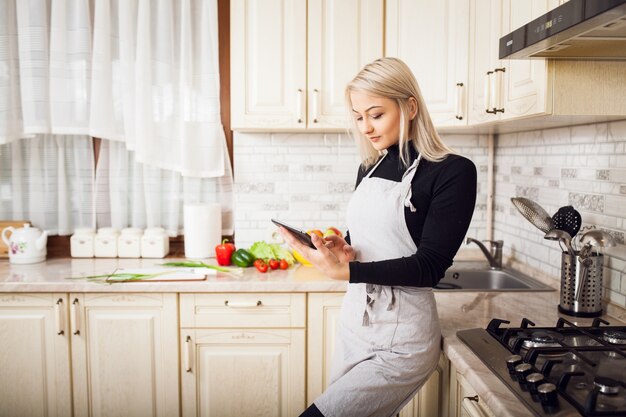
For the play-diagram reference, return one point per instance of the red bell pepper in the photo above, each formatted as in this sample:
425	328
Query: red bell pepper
223	252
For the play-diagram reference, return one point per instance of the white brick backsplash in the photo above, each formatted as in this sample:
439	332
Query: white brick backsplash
580	165
307	179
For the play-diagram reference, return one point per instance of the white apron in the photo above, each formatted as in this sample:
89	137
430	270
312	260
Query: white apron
388	340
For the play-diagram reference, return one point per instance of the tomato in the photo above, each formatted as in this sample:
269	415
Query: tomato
284	264
260	265
273	263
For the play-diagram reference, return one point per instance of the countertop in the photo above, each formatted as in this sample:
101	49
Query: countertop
457	310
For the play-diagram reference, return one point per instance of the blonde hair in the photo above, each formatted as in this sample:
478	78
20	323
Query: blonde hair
391	78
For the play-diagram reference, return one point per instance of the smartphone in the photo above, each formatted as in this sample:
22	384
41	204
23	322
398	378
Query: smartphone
298	234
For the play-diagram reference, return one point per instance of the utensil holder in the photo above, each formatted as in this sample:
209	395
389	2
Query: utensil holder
589	303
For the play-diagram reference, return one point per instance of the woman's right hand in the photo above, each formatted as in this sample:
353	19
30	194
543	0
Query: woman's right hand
340	248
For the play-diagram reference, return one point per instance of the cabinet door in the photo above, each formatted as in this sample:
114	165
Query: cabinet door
431	37
485	33
526	80
268	64
242	372
34	356
125	354
323	317
343	36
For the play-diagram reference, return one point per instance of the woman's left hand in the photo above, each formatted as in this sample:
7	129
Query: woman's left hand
322	258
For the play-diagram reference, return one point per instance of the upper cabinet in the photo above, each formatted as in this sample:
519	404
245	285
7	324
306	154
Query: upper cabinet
431	37
504	89
290	61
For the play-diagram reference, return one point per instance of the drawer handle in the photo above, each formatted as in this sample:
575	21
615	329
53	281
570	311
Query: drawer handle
473	408
243	304
187	353
57	316
74	316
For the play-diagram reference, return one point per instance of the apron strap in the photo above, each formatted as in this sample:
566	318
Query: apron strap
408	177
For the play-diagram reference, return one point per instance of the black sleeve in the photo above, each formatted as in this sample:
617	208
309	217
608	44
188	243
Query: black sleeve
446	223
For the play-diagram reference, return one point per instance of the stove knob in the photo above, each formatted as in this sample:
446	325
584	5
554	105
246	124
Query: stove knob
522	371
533	381
547	394
512	361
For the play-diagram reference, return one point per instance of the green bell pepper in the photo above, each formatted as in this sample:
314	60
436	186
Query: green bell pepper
242	258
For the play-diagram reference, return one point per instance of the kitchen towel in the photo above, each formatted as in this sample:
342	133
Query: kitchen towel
203	229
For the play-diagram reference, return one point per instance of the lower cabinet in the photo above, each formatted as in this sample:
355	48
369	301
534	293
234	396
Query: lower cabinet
123	358
34	356
464	401
323	316
243	354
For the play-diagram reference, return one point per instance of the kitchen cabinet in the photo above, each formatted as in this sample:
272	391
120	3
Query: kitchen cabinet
504	89
290	61
323	316
124	354
242	354
431	37
540	93
464	401
35	355
123	361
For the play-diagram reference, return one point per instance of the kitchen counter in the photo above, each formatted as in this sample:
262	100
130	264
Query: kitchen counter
457	310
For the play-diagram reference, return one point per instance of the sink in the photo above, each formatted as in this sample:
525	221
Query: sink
485	279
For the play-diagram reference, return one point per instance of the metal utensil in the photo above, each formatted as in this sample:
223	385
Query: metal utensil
597	238
585	263
563	237
568	219
534	213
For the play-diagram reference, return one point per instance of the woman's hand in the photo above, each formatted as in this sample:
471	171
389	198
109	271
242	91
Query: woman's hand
331	257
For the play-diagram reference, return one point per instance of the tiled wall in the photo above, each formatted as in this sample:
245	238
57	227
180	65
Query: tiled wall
307	180
583	166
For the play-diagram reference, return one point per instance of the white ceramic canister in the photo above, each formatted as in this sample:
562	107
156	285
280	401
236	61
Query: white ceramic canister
105	243
129	243
155	243
82	243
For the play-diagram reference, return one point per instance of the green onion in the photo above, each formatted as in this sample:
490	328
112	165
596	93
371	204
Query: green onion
197	264
119	277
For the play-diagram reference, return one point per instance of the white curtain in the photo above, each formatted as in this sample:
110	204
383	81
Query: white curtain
134	194
142	72
48	180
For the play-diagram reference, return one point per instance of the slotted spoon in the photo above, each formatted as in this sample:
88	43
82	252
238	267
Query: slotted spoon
534	213
567	219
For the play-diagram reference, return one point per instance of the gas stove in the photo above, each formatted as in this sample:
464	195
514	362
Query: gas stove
561	371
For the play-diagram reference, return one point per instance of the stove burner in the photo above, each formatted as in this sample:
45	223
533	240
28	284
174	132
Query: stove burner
543	338
606	385
615	337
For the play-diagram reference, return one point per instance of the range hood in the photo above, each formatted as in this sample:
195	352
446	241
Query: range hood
578	29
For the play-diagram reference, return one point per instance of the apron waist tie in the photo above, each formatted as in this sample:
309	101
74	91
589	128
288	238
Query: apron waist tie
369	302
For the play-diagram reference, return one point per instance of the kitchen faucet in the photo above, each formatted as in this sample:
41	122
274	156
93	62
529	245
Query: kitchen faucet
494	256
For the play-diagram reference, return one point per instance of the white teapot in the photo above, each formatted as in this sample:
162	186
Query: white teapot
27	245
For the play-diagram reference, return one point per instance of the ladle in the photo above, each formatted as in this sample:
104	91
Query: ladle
597	238
561	236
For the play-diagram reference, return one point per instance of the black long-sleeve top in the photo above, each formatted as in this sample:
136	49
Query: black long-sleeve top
444	194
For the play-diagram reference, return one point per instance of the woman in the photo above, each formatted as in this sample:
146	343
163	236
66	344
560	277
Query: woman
407	218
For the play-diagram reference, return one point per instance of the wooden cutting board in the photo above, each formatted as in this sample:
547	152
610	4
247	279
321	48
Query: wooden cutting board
4	250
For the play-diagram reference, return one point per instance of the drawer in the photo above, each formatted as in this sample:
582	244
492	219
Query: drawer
228	310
